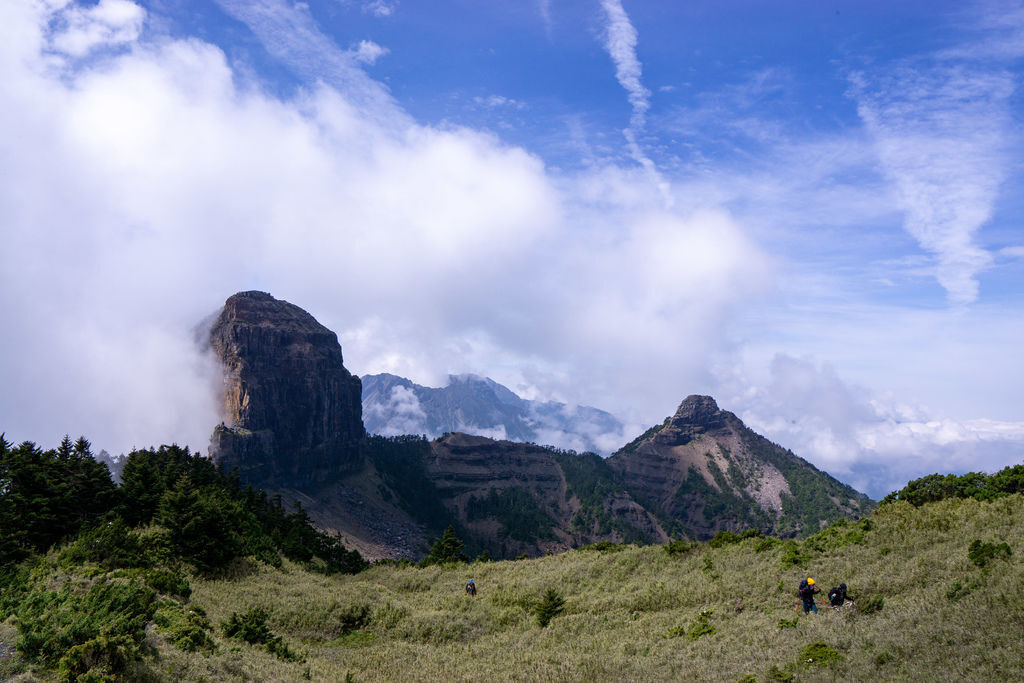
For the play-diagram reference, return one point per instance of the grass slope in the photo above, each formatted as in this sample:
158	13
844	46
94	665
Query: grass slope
707	613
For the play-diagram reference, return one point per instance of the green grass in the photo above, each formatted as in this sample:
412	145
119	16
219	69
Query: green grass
727	613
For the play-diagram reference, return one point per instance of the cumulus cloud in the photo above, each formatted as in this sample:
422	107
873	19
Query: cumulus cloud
149	183
79	30
405	416
369	52
940	133
871	441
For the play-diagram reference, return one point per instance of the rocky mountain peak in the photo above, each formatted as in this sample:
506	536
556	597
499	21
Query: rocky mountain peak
698	411
290	409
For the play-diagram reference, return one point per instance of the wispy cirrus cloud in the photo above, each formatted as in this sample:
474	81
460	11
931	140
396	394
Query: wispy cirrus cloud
940	131
289	33
621	42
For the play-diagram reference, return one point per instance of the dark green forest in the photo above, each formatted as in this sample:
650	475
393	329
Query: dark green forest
174	515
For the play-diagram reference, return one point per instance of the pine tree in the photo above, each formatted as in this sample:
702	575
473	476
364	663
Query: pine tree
448	548
551	605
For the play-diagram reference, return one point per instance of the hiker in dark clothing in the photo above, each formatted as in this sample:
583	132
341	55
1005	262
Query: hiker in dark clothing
806	593
470	588
837	597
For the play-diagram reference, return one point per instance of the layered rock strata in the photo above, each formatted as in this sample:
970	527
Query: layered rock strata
291	412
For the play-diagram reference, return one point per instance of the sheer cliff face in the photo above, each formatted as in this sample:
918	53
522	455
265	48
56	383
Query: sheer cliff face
291	411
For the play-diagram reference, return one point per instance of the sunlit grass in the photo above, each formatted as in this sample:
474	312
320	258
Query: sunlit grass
627	614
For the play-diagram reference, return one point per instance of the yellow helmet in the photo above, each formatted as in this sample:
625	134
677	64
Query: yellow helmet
810	581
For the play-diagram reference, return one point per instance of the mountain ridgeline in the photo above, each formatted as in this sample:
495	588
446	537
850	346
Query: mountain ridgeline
394	405
292	424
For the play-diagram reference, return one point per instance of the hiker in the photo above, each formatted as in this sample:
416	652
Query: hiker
470	588
837	597
806	593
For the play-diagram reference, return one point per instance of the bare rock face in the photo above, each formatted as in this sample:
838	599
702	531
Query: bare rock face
519	498
707	471
292	413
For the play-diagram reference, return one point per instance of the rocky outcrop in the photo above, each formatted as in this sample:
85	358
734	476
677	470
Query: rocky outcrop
291	412
514	498
705	471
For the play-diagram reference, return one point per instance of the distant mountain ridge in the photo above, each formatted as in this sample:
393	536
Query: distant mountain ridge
394	405
293	425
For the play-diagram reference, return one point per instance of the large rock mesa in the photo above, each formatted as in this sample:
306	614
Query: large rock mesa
291	413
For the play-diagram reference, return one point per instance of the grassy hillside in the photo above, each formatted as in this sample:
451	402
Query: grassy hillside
948	603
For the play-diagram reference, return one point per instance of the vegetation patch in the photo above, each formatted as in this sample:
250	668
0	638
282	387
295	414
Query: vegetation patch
517	511
981	553
185	628
680	547
550	606
252	628
724	538
97	632
701	626
977	485
603	547
820	654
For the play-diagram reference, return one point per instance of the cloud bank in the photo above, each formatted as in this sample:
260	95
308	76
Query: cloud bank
152	180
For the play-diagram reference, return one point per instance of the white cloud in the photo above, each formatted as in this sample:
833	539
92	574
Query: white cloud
405	416
380	8
940	134
80	30
499	101
871	441
368	52
620	42
148	185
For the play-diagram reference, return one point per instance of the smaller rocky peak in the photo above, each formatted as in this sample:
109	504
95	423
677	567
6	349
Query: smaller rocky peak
700	411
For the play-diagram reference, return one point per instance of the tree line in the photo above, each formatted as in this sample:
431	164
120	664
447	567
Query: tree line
172	506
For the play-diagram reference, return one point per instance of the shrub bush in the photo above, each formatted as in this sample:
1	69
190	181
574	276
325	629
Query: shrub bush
981	553
820	654
51	624
252	628
186	629
679	547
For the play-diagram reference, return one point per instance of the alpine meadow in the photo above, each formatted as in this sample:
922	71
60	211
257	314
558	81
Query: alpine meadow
936	573
586	341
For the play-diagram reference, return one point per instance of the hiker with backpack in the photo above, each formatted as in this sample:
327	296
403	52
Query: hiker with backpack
838	596
471	588
806	592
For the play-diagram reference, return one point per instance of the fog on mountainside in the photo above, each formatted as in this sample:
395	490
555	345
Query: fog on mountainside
471	404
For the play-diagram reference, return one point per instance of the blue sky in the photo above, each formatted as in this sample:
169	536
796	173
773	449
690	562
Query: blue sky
810	211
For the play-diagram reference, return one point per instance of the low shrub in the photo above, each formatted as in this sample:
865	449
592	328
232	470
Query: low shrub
820	654
168	582
252	628
788	623
353	617
186	629
603	546
701	626
870	604
679	547
981	553
103	628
